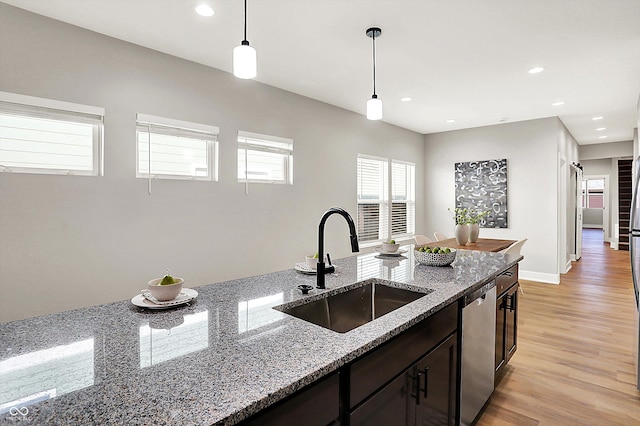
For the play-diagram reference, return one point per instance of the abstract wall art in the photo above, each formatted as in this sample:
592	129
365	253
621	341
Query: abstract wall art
482	186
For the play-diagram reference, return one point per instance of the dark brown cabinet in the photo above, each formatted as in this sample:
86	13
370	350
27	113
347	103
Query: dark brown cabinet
424	394
317	404
506	317
412	379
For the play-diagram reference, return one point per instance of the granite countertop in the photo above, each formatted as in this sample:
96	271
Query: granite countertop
220	359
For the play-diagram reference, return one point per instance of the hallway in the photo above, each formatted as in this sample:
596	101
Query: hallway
574	364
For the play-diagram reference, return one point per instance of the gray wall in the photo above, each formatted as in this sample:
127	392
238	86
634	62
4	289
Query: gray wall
606	150
532	150
69	241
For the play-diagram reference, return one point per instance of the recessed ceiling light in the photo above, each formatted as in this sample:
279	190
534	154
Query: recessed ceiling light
536	70
204	10
599	129
559	103
602	137
406	99
451	120
597	117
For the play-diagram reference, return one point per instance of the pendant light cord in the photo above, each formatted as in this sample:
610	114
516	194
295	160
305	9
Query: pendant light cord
245	20
374	62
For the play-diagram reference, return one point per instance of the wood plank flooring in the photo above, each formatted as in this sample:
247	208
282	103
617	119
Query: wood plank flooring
574	364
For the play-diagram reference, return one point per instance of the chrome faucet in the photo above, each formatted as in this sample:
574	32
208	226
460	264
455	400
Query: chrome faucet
320	271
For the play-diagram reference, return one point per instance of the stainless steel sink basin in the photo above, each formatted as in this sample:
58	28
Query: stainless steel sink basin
343	311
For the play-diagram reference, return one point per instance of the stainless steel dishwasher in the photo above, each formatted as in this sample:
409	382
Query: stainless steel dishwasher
478	351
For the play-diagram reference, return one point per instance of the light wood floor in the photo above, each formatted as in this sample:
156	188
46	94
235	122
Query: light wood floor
574	364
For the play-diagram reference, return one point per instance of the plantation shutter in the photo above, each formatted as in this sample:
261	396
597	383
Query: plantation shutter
373	203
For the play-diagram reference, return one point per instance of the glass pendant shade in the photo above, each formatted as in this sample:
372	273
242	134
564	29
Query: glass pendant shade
244	61
374	108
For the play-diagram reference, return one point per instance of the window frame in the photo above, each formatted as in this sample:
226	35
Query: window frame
587	192
14	104
268	144
386	199
173	127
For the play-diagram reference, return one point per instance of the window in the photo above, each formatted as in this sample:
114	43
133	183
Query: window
377	218
176	149
49	137
593	193
266	159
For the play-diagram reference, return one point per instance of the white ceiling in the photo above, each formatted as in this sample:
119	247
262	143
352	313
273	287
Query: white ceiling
458	59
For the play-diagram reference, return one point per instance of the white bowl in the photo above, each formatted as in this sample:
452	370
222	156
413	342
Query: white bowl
390	248
165	292
312	262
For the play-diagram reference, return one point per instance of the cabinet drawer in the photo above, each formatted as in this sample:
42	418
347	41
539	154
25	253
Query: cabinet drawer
506	279
375	369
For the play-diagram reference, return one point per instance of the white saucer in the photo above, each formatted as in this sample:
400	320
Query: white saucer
399	252
185	296
304	268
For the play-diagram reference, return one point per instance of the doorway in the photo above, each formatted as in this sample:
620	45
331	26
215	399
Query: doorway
594	200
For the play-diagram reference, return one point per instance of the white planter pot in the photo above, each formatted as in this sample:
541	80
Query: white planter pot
474	231
462	234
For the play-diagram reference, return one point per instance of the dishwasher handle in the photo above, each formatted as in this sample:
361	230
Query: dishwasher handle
480	294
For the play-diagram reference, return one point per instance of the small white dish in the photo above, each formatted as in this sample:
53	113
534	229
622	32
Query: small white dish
185	296
400	252
305	269
390	248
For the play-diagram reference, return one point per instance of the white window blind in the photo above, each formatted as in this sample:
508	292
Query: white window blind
403	205
372	198
265	159
41	139
378	219
179	150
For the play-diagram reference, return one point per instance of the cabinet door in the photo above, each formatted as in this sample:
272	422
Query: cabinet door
424	394
511	328
501	307
394	404
437	378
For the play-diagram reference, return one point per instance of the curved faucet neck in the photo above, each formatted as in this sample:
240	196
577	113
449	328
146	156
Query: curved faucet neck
320	271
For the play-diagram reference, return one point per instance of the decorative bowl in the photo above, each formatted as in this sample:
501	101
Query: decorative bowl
435	259
165	292
390	248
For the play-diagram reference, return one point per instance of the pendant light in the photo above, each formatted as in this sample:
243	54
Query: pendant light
374	105
244	56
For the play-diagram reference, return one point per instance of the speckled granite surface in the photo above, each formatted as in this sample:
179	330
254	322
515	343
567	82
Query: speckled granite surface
219	360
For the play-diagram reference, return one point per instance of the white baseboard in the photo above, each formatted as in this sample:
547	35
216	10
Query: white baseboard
567	267
573	258
590	226
539	277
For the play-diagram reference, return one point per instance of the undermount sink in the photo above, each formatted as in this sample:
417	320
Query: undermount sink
343	311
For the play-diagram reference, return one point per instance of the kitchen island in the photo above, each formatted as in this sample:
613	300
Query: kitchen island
223	358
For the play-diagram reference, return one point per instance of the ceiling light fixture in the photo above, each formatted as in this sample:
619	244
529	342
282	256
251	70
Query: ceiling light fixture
536	70
559	103
599	129
602	137
244	56
597	117
451	120
204	10
406	99
374	105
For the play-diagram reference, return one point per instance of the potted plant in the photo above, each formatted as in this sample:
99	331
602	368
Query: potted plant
461	232
474	218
